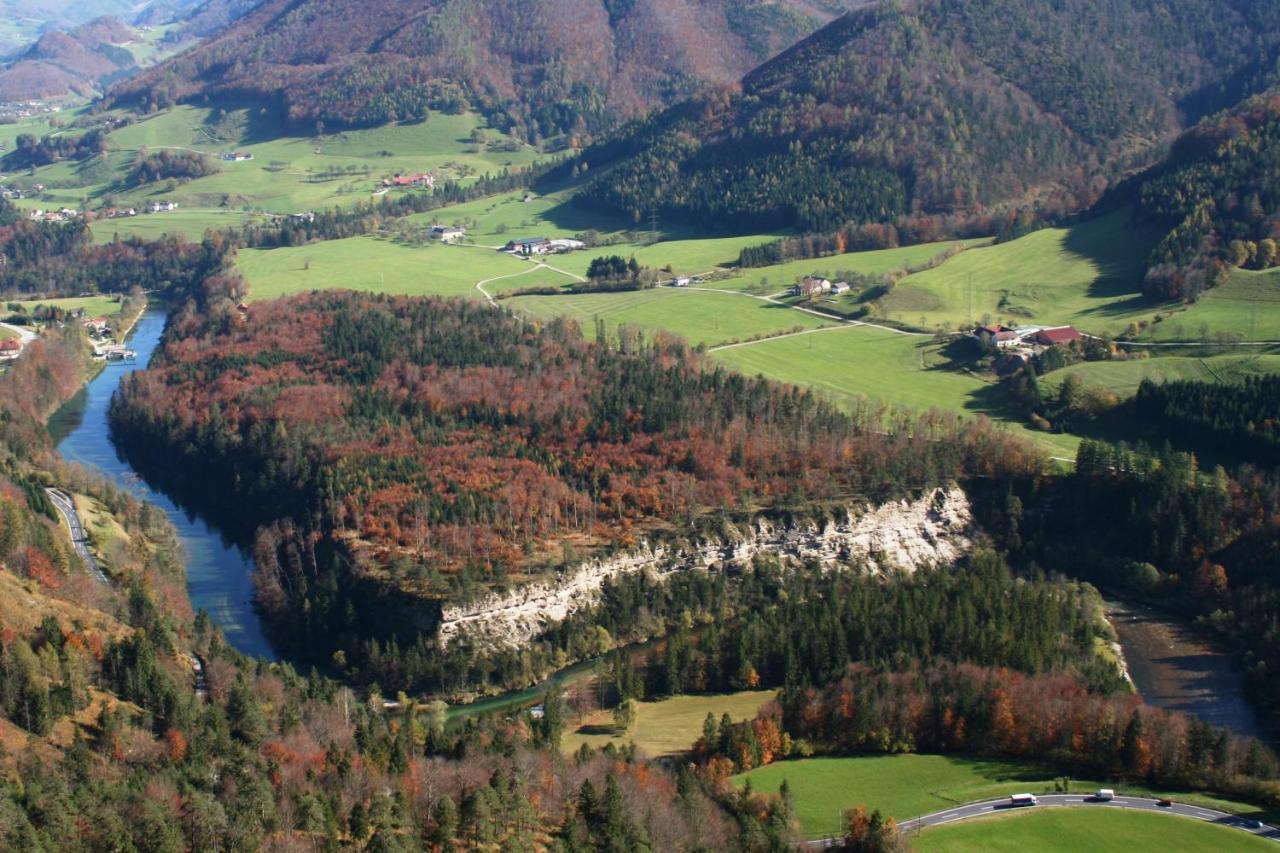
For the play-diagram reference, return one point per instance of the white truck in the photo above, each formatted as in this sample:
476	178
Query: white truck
1017	800
1106	795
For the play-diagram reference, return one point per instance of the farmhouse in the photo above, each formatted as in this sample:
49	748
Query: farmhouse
423	180
162	206
10	348
1057	336
839	287
237	156
447	233
996	337
528	246
810	286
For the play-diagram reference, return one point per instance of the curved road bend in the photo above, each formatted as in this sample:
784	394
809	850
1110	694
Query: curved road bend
987	808
78	537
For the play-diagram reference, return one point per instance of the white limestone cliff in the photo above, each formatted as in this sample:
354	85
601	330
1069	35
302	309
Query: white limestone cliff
905	535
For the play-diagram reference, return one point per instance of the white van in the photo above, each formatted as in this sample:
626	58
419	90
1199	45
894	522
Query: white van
1105	794
1017	800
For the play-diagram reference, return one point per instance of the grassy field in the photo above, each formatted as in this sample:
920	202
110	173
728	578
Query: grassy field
907	786
1124	377
288	173
1096	830
669	726
864	361
701	318
1087	275
93	306
372	264
1248	304
188	223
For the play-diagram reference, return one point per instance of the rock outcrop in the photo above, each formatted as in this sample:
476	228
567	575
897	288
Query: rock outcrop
931	530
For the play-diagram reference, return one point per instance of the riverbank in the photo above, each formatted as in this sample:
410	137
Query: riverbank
1176	668
219	574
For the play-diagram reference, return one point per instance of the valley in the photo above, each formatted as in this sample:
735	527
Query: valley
640	425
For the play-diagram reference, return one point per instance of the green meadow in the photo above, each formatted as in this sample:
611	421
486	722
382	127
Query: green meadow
1124	377
697	316
905	786
93	306
667	727
856	362
1097	830
1086	275
372	264
1247	304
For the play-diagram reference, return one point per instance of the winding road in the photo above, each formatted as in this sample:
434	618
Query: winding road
79	539
988	808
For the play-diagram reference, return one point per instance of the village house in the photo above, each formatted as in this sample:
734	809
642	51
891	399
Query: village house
811	286
680	282
162	206
10	348
305	216
237	156
97	326
447	233
996	337
839	287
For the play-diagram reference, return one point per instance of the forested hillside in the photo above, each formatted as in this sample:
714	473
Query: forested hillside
536	68
935	106
437	448
1219	196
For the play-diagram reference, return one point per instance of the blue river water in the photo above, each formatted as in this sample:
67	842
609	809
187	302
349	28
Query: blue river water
218	572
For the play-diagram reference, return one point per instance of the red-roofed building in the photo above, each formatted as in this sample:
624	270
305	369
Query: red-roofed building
1058	336
996	337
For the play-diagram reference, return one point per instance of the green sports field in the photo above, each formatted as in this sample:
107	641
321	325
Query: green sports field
1096	830
1087	275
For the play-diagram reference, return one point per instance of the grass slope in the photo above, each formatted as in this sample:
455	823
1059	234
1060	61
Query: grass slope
909	785
371	264
1096	830
1087	275
669	726
697	316
93	306
867	362
1124	377
1247	304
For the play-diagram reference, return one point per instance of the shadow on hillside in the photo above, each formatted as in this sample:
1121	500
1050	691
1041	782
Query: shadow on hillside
1118	248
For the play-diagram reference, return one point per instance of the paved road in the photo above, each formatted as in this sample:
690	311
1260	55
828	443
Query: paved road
988	808
78	537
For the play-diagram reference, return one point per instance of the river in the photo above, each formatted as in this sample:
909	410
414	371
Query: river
1169	664
1175	668
218	571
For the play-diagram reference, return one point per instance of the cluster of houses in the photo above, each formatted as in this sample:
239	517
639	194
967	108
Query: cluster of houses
237	156
66	214
120	212
999	337
1016	347
542	246
9	192
811	286
162	207
422	180
26	109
